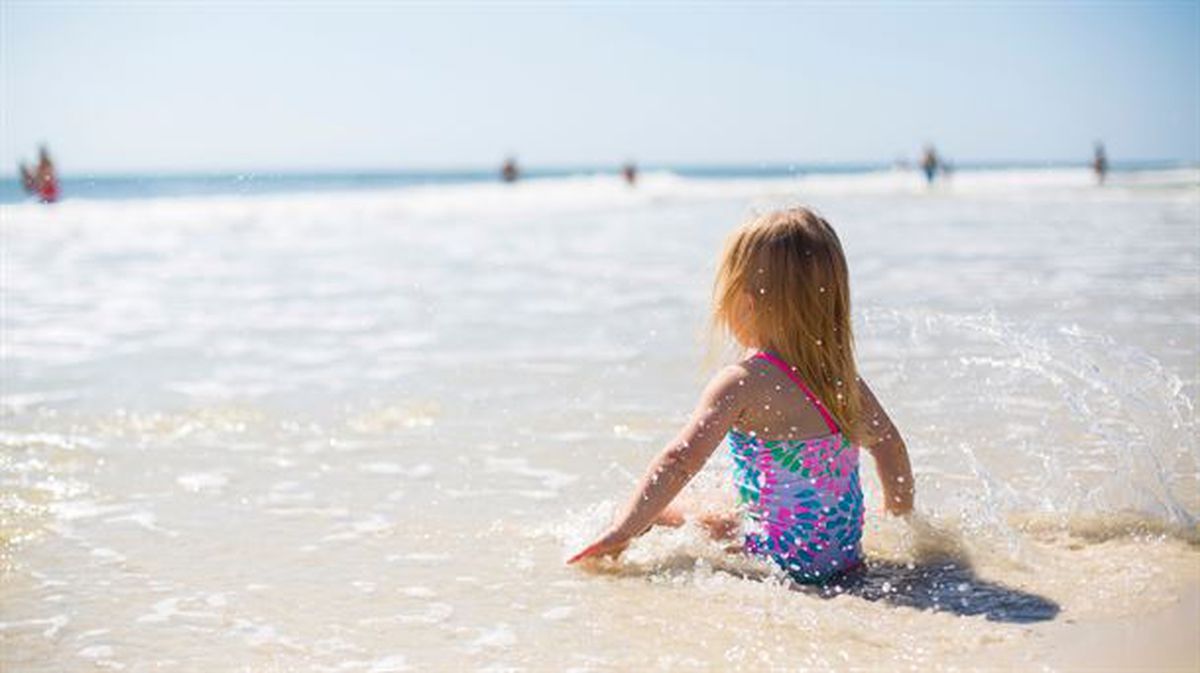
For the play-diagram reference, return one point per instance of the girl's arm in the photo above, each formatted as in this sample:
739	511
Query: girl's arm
677	463
891	456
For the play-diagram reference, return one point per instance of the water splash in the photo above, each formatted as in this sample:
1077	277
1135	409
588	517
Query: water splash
1054	419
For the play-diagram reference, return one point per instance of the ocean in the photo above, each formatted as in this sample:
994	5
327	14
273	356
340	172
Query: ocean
357	422
109	186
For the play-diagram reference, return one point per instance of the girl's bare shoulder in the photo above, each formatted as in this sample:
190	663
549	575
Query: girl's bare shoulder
761	375
749	376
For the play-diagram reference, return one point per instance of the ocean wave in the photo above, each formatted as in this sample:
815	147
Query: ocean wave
589	192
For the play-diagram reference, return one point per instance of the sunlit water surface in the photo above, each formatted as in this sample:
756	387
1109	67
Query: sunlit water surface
360	432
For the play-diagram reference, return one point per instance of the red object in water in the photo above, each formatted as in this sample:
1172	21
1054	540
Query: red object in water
48	189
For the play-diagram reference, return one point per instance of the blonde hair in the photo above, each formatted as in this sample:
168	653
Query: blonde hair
790	265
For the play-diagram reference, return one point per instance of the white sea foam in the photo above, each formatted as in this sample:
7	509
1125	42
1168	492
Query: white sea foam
203	482
419	471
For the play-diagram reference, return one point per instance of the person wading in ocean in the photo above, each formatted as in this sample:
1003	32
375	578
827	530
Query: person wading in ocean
42	180
1100	163
930	163
509	171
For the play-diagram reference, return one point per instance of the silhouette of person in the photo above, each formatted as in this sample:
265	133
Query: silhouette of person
629	172
930	163
509	171
28	179
42	180
1100	163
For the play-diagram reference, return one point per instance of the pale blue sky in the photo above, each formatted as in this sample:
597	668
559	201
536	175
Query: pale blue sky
295	86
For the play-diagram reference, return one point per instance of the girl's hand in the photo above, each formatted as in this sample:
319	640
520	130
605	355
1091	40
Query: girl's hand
679	461
611	543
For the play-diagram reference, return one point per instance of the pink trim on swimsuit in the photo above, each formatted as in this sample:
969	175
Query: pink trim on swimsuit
795	377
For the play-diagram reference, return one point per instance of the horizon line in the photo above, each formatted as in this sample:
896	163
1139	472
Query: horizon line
563	167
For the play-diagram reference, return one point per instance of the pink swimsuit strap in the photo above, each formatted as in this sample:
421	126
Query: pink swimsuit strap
795	377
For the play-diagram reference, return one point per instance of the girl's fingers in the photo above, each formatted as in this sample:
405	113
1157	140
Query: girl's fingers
588	551
601	548
609	545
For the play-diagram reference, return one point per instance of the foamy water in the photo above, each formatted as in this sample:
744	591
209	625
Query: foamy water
360	432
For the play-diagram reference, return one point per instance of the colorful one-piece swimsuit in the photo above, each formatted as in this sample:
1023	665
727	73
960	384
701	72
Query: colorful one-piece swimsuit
802	499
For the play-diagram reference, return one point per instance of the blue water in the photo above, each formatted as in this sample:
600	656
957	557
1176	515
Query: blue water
135	186
151	185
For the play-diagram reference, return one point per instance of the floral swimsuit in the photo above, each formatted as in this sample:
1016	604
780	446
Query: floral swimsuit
802	499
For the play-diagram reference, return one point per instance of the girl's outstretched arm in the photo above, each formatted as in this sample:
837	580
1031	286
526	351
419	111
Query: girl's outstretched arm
890	454
678	462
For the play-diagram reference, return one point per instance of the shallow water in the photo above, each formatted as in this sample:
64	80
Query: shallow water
345	432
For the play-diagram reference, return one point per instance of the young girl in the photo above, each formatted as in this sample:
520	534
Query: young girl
794	410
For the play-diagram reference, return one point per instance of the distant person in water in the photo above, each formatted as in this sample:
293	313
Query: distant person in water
42	180
1100	163
930	163
509	171
629	172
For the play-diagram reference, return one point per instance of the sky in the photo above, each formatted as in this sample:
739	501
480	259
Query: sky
188	86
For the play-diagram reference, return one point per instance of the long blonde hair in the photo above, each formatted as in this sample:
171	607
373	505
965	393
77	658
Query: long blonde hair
789	264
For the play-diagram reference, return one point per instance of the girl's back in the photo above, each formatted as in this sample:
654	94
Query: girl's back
777	408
